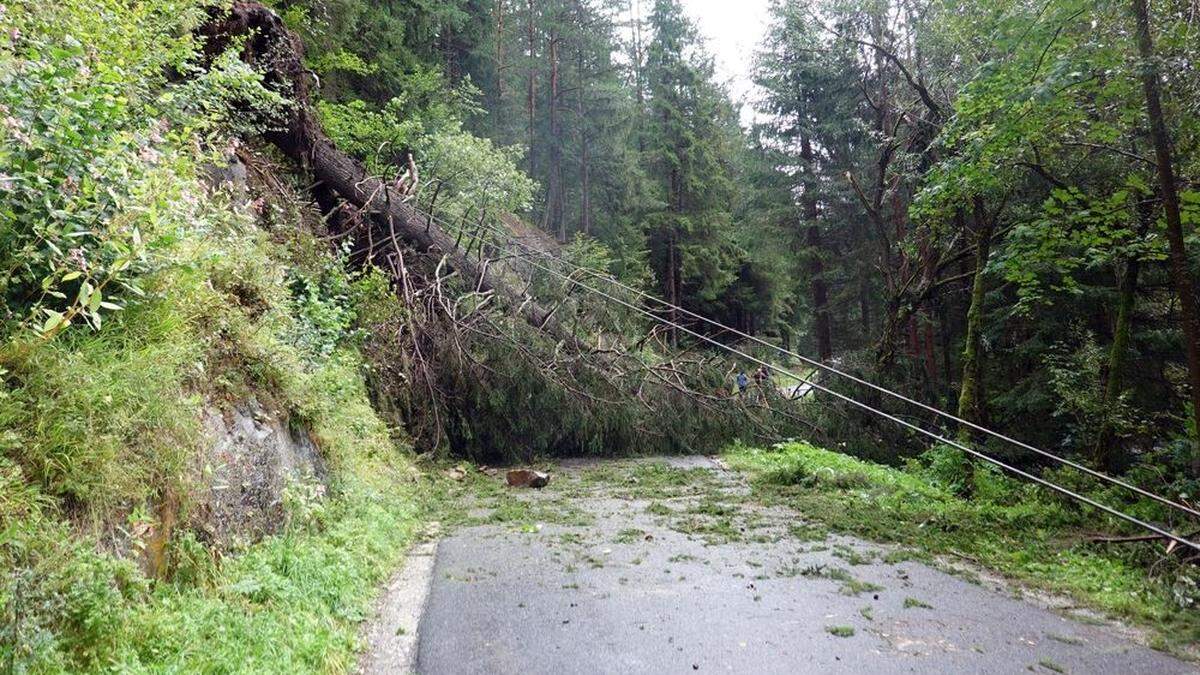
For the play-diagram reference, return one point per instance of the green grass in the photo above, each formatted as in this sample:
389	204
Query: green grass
294	603
840	631
852	556
629	535
650	480
1014	529
850	584
103	419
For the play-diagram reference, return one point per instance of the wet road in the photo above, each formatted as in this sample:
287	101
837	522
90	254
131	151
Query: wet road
642	578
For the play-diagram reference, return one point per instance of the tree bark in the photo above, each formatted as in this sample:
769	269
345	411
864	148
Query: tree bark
585	161
1170	198
929	353
499	37
816	266
1105	455
970	399
531	91
672	285
635	10
553	220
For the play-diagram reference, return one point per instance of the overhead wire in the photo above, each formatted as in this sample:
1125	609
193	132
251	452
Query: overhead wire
1150	527
1099	475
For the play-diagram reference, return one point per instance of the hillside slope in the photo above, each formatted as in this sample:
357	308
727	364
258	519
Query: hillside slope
192	477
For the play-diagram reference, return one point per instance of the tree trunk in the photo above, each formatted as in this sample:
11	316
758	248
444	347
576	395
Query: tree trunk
970	399
816	265
1170	197
864	303
585	166
531	92
672	287
930	356
499	37
553	220
1118	355
945	332
635	10
1105	454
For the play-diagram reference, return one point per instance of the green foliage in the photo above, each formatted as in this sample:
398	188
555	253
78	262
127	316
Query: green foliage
689	137
290	603
1075	375
103	419
1076	234
324	311
91	143
107	422
480	176
471	175
105	218
949	468
365	49
423	105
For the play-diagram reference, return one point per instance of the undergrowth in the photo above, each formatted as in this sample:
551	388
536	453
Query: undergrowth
1016	529
142	286
99	429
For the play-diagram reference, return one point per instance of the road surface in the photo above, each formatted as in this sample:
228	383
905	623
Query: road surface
662	576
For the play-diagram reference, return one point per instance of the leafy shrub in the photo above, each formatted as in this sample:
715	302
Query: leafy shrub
91	144
323	311
480	176
475	175
426	105
1076	377
949	468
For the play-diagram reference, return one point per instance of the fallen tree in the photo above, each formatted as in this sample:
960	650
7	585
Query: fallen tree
555	381
266	44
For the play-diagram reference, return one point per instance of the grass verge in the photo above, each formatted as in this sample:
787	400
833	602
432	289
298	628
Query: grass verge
1014	529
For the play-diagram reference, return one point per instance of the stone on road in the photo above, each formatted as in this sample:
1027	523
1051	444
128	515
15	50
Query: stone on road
642	572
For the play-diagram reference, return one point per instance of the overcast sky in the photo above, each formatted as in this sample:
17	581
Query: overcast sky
733	29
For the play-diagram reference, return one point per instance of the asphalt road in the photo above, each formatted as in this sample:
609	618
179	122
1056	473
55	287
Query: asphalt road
638	591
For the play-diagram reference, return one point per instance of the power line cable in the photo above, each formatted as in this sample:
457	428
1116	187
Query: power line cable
864	406
1099	475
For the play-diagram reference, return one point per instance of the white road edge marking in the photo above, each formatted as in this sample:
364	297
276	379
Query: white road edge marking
392	636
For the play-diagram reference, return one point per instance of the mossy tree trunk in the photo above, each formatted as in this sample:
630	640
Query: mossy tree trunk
1170	197
1106	455
971	404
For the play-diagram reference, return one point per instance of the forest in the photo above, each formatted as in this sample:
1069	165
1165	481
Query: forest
983	206
400	235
